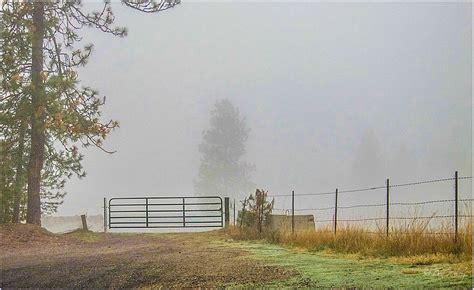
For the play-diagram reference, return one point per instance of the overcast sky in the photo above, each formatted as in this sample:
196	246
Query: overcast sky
336	95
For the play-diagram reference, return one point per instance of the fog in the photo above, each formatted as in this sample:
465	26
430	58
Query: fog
336	95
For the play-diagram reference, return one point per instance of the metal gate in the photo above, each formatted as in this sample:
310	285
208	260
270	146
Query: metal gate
166	212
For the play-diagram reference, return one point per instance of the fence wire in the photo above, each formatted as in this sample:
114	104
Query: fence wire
380	204
375	187
387	204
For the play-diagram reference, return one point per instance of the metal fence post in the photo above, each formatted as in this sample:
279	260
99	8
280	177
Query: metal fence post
105	215
292	212
456	213
226	212
335	214
388	206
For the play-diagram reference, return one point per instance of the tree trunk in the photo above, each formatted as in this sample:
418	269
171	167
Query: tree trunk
19	183
3	185
35	163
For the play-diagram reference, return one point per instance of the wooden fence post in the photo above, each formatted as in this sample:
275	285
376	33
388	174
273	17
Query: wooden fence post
84	222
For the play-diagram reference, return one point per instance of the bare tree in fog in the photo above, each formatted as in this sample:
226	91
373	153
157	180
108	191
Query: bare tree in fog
222	172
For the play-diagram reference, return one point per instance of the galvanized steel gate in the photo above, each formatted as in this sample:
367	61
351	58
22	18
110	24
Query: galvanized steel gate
166	212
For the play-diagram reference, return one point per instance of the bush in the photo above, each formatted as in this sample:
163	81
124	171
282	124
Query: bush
256	211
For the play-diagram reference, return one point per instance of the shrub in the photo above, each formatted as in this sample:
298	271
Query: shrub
256	211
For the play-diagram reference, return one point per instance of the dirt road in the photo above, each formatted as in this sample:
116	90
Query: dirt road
32	257
139	260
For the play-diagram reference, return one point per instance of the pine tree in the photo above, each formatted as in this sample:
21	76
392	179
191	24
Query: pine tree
222	172
46	114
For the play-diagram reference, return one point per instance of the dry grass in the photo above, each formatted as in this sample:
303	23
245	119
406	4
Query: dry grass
413	242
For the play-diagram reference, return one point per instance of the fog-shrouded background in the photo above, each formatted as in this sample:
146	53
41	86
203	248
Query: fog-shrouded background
337	95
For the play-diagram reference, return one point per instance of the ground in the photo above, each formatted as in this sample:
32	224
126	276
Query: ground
32	257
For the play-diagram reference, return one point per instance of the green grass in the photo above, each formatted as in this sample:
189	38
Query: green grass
342	271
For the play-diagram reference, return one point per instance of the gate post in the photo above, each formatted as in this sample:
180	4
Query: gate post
105	215
226	212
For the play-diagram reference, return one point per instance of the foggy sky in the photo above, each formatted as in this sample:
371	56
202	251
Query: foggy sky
336	95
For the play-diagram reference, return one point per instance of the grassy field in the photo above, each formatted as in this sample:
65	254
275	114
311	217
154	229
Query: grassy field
330	270
410	257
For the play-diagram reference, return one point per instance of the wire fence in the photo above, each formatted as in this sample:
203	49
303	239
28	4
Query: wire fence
330	216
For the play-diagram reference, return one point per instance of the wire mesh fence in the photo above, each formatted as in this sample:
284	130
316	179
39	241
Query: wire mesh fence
392	209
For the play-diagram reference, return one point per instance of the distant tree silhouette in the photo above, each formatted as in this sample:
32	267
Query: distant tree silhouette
369	161
222	172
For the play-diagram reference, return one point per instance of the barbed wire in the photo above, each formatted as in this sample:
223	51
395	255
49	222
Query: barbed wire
391	233
361	205
380	204
430	201
428	217
362	189
376	187
304	209
429	181
422	182
393	218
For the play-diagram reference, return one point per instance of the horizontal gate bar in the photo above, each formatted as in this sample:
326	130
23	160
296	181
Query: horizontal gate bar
202	203
165	204
157	217
162	227
112	211
129	204
167	197
165	210
203	222
187	210
178	222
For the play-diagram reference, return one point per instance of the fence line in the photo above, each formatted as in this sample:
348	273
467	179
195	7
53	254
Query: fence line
387	204
376	187
383	204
